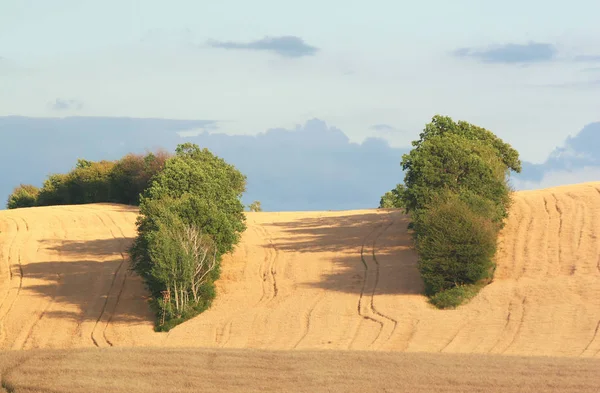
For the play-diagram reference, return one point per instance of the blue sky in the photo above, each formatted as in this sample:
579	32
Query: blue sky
529	71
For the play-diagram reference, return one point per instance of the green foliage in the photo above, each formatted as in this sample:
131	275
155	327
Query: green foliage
196	192
393	199
455	246
132	174
86	183
24	195
255	206
104	181
453	163
458	197
454	297
444	125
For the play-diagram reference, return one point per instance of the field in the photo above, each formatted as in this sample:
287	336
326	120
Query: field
338	294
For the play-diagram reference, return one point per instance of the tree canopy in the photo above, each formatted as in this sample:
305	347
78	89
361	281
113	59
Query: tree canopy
195	193
457	194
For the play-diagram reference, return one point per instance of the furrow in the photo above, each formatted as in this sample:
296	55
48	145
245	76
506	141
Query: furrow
592	340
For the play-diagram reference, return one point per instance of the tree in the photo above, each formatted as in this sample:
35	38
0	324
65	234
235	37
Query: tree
455	245
133	174
255	206
457	194
182	260
194	201
451	162
444	125
392	199
25	195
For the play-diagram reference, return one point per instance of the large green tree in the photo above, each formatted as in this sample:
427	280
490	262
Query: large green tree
203	192
457	193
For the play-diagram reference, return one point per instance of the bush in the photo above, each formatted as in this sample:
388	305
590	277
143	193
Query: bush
454	297
119	181
393	199
255	206
132	175
196	192
23	196
455	245
457	195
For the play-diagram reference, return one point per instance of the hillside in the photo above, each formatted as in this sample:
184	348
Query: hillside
311	280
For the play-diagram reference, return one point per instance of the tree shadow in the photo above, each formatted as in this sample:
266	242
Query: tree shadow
394	270
93	280
89	248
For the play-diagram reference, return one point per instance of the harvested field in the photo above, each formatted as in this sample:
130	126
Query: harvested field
152	370
335	282
310	280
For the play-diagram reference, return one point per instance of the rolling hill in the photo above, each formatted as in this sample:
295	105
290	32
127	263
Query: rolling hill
308	301
343	280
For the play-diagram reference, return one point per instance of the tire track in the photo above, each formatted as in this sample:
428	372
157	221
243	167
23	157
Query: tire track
511	309
307	319
546	237
112	284
308	315
560	229
267	271
592	340
454	336
50	302
391	320
123	282
18	271
524	240
364	285
225	331
519	326
10	275
515	248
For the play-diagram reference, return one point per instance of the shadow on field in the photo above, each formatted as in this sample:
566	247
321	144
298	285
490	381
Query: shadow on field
342	238
88	248
88	273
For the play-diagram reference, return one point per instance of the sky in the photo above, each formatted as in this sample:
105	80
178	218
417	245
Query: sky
528	71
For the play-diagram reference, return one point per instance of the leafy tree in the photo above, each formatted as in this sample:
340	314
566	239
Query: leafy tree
393	199
455	245
24	195
182	261
255	206
451	162
457	193
54	191
444	125
132	174
203	193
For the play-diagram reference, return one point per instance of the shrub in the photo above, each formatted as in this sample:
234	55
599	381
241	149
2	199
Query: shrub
454	297
255	206
120	181
392	199
55	191
196	192
132	175
457	195
455	245
24	195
